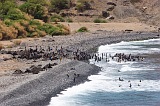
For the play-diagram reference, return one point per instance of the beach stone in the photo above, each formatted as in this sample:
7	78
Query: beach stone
18	71
27	71
72	68
36	70
54	64
128	30
47	66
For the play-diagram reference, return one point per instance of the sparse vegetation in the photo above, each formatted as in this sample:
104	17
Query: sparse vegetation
100	21
57	5
54	30
10	46
57	18
69	20
83	29
1	46
83	5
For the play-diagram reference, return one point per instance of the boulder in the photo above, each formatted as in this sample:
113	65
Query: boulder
105	14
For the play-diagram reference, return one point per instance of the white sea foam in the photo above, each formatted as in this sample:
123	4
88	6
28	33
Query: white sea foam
108	79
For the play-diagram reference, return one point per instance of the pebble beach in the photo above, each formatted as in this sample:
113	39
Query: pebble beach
29	89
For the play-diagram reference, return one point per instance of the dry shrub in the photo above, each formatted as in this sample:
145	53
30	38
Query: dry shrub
7	32
31	28
42	33
1	36
13	32
39	21
65	29
17	42
24	23
18	26
35	34
21	29
27	16
65	32
1	46
10	46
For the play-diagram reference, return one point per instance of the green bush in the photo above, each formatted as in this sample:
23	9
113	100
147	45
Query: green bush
57	18
48	28
6	6
36	10
15	14
100	21
83	29
58	29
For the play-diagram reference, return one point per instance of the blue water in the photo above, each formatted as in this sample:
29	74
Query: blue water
105	89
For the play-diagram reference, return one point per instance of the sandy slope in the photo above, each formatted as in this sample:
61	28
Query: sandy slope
111	26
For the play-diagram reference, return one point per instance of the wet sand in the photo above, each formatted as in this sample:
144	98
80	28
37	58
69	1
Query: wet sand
37	89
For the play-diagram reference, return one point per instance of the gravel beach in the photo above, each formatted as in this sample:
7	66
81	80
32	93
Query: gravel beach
37	89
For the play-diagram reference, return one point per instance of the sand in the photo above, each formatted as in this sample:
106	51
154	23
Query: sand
37	89
114	27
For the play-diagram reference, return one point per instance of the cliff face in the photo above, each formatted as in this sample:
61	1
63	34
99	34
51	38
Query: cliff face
147	11
150	10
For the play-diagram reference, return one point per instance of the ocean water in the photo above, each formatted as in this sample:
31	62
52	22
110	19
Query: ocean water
105	89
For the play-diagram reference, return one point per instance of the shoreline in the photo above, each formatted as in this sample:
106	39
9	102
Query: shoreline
36	91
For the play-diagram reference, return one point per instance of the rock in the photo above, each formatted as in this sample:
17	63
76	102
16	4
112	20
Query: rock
27	71
69	50
54	64
47	66
158	29
110	17
110	8
128	30
18	71
111	3
72	68
55	58
126	3
105	14
34	69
